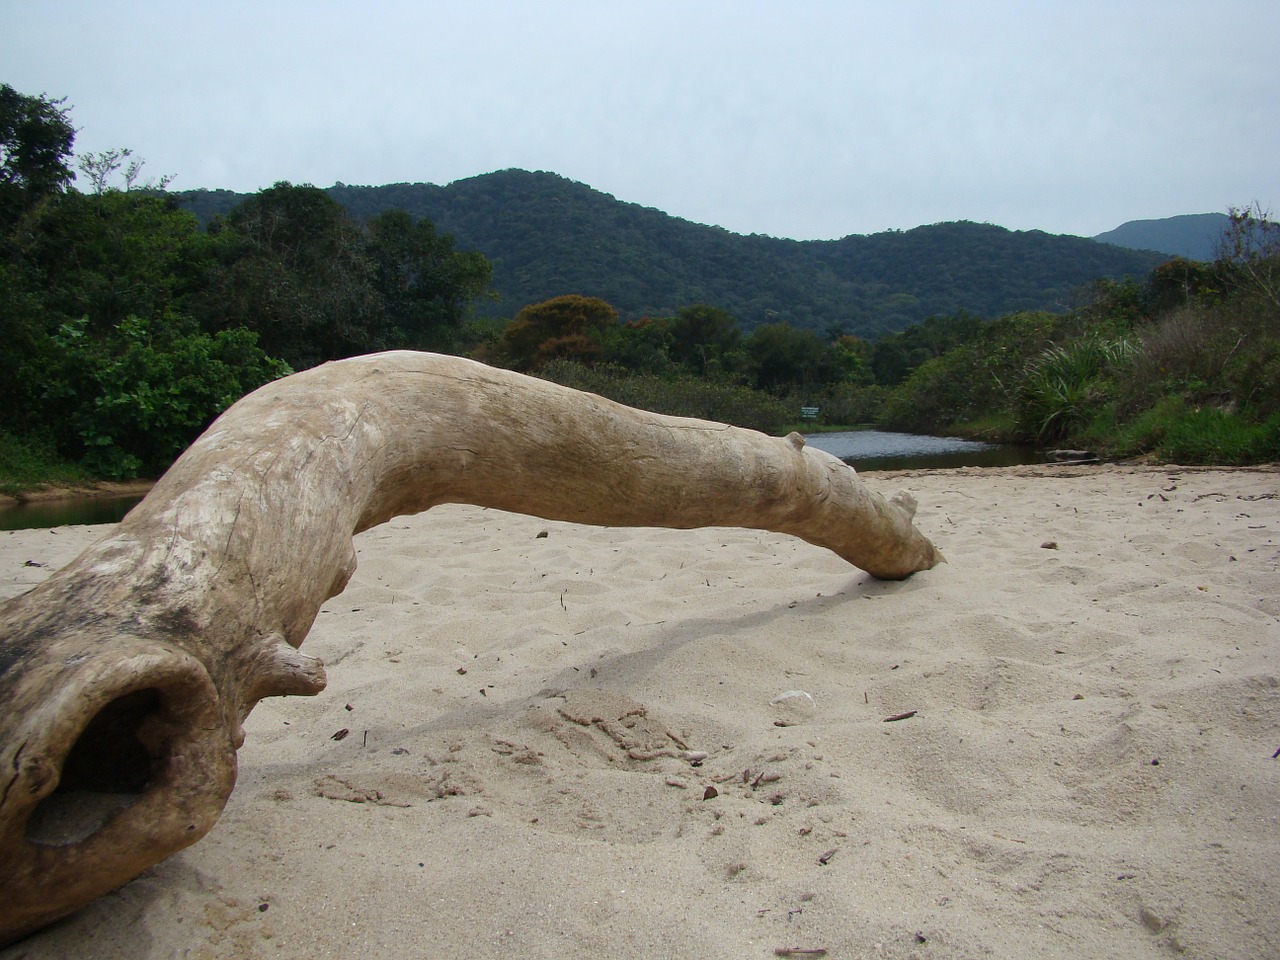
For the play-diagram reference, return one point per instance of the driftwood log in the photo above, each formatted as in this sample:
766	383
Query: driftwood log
125	677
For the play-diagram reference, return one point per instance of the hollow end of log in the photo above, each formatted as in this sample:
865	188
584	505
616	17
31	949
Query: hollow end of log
132	766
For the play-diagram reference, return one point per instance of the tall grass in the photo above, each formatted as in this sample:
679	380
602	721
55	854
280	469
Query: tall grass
27	462
1214	436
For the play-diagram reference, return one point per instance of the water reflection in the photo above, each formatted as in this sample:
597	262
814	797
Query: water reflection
885	450
57	513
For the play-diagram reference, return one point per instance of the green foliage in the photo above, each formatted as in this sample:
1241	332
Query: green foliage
296	273
315	285
126	328
1185	365
781	355
32	461
1113	436
90	262
703	337
680	396
896	355
425	284
107	257
854	357
643	345
1252	376
979	373
937	393
36	137
1179	433
1216	436
1064	386
133	400
1177	283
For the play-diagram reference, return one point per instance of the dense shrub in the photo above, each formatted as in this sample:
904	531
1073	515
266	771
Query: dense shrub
848	404
972	380
27	462
131	401
681	396
938	393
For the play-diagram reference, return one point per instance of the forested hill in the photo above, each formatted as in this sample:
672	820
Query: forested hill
547	235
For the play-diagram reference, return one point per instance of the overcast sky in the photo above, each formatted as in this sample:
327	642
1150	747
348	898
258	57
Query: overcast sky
810	119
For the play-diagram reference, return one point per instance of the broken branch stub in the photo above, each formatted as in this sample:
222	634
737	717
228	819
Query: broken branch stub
125	678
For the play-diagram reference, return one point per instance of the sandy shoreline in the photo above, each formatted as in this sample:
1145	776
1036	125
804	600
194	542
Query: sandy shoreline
1088	771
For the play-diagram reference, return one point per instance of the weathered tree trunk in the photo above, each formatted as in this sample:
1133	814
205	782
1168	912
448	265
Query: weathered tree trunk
125	677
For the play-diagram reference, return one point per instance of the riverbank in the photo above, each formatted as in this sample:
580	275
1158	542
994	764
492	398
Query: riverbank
90	489
1059	744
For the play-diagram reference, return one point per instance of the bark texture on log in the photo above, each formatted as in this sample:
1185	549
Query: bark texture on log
125	677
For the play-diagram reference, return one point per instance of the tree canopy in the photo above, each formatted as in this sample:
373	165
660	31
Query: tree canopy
36	139
127	327
566	327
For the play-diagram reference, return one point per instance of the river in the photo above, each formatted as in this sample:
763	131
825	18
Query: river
883	450
63	512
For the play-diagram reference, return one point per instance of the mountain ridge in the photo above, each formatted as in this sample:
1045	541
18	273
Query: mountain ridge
1193	236
547	235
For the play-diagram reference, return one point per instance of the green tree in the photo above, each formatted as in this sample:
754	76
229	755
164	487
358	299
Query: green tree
855	356
296	273
1177	282
110	256
976	380
91	260
896	355
785	356
702	336
426	284
36	137
642	345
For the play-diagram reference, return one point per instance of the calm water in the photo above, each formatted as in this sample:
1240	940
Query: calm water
882	450
57	513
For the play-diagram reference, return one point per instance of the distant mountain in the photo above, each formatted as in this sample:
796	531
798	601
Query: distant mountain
547	236
1194	236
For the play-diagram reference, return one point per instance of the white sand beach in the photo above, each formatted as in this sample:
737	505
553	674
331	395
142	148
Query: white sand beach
577	742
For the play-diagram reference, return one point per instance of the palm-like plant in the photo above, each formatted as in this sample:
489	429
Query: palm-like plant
1061	387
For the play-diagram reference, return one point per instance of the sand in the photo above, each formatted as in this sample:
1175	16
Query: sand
1088	769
